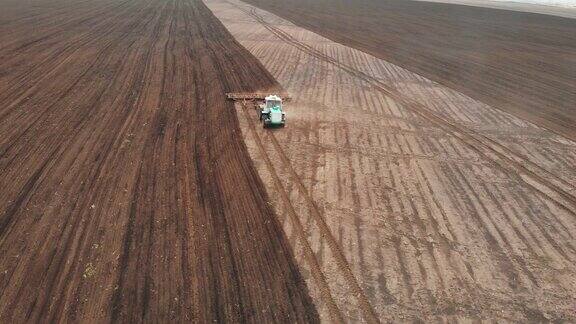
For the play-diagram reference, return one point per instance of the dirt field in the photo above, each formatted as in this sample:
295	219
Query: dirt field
403	199
519	62
131	191
126	191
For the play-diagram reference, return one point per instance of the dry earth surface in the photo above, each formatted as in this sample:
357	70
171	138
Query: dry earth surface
519	62
404	199
126	191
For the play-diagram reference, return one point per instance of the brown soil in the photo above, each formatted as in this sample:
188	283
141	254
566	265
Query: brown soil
521	63
126	189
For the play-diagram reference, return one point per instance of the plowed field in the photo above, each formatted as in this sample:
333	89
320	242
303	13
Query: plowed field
126	191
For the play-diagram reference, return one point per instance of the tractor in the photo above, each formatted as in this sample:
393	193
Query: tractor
271	113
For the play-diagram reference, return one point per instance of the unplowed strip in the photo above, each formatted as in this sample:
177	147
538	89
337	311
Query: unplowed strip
319	277
367	309
433	225
126	193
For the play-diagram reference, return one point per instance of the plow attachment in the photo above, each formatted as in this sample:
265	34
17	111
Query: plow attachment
234	96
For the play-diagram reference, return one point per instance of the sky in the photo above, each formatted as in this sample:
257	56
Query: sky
559	3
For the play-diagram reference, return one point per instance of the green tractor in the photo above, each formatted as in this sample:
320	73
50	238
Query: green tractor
271	113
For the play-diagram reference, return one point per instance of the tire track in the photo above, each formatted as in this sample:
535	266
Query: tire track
319	277
367	309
